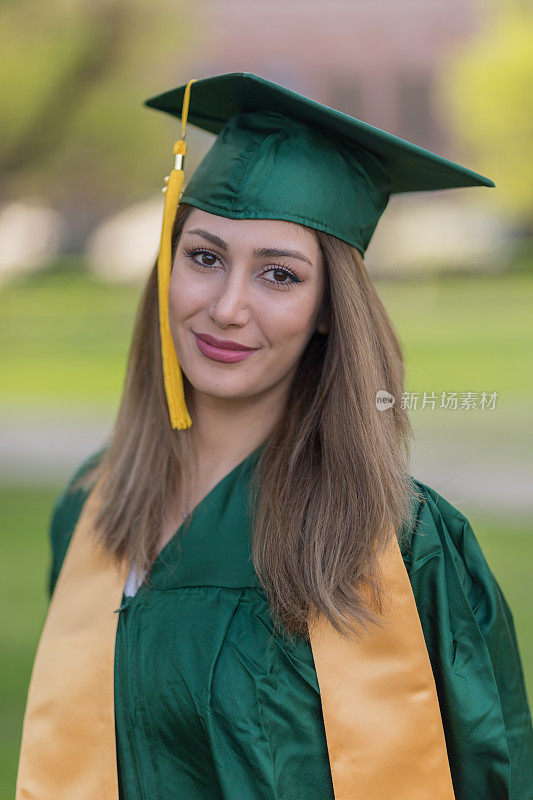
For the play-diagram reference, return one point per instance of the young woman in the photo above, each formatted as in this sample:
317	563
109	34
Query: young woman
251	483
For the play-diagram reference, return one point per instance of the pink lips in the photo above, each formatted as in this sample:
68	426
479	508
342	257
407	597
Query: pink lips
226	350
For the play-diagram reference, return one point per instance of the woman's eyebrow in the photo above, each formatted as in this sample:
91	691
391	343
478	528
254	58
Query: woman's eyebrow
269	252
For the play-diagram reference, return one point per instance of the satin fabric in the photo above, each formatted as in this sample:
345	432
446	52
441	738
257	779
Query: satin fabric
183	646
384	731
380	706
281	155
68	737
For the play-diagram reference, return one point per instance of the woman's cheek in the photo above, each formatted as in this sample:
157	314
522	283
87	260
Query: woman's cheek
290	325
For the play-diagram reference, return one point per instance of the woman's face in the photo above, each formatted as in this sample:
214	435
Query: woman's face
259	283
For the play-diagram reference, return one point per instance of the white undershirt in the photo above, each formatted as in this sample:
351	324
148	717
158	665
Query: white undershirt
132	583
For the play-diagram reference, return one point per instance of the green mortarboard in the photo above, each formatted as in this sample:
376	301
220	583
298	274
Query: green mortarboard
279	155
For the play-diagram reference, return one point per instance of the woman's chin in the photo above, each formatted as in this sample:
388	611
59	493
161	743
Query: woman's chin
219	388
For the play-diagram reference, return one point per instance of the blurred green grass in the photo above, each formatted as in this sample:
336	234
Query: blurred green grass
64	339
465	332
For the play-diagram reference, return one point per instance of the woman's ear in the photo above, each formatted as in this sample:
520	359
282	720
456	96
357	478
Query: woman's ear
323	319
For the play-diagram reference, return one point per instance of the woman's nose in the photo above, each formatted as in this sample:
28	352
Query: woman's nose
231	303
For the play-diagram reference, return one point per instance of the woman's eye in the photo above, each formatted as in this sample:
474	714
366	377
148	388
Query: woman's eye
201	258
282	277
207	259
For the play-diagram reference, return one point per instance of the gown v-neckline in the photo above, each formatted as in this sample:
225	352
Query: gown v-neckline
167	555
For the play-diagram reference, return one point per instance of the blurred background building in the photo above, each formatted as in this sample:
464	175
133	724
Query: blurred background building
374	60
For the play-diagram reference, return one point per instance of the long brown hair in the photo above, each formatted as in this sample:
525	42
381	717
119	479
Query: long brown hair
331	484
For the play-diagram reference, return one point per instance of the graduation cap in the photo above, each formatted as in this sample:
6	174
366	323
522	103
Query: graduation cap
280	155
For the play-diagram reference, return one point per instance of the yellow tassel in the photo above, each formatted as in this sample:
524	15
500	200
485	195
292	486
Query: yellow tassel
172	375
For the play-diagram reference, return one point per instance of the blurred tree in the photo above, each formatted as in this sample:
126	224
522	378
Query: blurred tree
75	73
485	88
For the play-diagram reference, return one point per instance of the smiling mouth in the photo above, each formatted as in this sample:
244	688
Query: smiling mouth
222	354
223	344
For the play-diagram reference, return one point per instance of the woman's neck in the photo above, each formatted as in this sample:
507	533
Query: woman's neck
224	432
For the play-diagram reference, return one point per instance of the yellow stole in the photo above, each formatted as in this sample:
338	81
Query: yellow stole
380	707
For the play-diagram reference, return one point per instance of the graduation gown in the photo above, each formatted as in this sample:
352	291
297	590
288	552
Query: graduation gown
211	703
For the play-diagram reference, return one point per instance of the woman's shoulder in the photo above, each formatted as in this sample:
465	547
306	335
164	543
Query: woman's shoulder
471	637
441	540
436	524
65	514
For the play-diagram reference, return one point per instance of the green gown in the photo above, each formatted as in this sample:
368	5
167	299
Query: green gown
210	704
